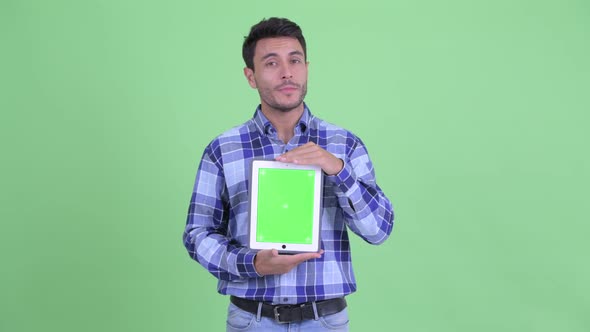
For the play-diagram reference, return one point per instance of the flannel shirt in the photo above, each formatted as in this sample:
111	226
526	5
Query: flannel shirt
216	232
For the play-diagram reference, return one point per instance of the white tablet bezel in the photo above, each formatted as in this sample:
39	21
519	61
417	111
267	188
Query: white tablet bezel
285	247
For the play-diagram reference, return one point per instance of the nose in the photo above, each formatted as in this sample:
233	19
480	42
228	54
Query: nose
286	72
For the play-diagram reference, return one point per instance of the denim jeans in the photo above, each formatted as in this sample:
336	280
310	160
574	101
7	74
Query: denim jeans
240	320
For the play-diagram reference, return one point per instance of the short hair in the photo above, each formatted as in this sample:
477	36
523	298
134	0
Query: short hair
270	28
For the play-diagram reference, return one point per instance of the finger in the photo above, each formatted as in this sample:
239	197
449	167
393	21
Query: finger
293	259
307	160
305	156
308	147
307	256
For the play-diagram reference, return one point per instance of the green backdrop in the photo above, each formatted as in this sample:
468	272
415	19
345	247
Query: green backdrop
475	114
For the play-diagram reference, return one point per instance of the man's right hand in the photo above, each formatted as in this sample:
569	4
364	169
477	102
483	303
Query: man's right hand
269	261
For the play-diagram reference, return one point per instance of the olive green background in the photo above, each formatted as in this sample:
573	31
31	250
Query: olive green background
475	114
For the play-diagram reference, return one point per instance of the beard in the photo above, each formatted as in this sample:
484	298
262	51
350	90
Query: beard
268	97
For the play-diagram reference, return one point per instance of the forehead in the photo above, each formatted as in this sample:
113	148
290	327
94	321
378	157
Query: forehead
278	45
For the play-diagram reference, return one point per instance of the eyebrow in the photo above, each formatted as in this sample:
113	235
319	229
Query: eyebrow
266	56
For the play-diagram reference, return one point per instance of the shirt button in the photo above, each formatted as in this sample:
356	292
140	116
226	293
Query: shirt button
285	299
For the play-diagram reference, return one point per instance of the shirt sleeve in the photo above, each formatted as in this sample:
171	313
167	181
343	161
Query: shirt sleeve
368	212
205	235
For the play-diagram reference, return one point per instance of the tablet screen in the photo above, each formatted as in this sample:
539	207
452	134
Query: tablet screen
286	212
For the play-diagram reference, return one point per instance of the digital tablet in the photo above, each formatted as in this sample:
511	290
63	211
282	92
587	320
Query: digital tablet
285	205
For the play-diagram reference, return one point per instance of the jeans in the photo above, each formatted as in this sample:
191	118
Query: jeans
240	320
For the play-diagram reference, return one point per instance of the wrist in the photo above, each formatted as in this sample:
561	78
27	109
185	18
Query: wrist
256	267
337	168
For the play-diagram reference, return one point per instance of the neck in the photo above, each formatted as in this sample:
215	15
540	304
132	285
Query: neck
283	121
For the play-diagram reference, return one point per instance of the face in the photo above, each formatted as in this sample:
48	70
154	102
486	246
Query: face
280	73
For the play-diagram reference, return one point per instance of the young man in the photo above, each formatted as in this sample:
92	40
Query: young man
270	292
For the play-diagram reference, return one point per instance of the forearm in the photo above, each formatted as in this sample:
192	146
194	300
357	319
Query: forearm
216	254
205	235
368	212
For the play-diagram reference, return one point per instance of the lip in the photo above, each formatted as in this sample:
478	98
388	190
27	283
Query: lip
288	88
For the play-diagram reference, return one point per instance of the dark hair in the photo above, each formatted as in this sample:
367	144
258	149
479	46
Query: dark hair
269	28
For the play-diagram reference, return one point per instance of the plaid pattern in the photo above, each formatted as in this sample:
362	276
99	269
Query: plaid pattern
216	233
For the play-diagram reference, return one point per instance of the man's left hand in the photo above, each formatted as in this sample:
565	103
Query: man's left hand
312	154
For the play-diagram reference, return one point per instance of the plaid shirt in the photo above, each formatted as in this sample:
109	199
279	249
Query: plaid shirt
216	233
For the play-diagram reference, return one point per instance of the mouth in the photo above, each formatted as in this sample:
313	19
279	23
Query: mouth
288	88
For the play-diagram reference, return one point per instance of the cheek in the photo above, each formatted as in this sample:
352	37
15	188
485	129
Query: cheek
264	82
302	73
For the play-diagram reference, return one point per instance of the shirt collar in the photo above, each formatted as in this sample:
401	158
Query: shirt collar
266	128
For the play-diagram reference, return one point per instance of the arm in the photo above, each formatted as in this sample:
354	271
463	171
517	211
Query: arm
205	234
367	211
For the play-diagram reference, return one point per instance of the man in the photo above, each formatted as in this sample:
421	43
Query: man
270	292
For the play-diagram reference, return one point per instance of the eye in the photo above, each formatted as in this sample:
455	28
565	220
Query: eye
296	61
271	63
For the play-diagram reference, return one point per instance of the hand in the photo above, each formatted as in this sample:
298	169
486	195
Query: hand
312	154
269	261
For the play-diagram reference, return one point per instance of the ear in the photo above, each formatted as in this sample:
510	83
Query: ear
249	73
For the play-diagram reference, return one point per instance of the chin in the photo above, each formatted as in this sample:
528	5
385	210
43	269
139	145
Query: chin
288	107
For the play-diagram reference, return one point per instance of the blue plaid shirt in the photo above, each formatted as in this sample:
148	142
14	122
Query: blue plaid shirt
216	233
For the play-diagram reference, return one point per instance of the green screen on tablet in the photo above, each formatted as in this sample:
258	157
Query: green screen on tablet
285	205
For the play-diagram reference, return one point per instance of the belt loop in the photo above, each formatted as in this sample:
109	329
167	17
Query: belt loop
315	310
259	312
